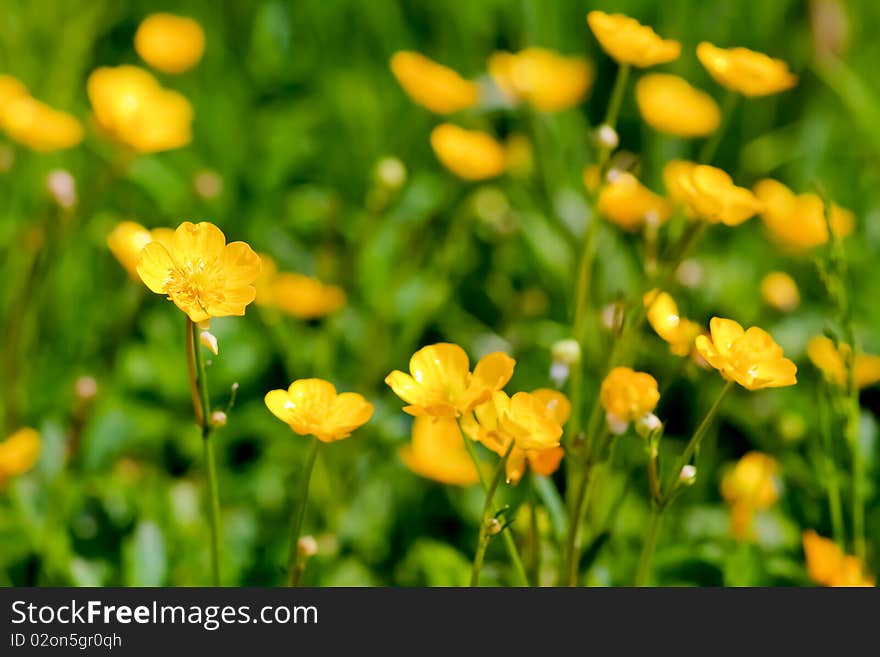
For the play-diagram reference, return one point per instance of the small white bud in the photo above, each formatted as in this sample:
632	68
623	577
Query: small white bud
86	387
391	172
616	425
566	352
208	184
690	273
688	475
307	546
62	188
209	340
218	419
493	527
559	374
607	137
612	317
648	424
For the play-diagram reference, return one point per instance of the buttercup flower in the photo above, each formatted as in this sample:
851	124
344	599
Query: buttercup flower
746	71
19	452
437	452
798	221
829	566
10	89
629	204
200	273
547	80
751	358
709	193
630	42
663	317
301	296
432	85
441	384
38	126
626	396
311	407
670	104
831	361
169	43
779	291
750	486
676	179
469	154
132	107
128	239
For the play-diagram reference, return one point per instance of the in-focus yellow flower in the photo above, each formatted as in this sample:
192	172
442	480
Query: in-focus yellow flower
779	291
298	295
746	71
469	154
831	361
829	566
629	204
438	452
169	43
311	407
663	317
432	85
751	358
630	42
798	221
203	275
441	384
670	104
626	396
709	193
19	452
550	82
128	239
38	126
132	107
750	486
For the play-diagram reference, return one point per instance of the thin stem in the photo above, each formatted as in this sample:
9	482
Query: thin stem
652	534
728	105
572	546
831	478
195	393
858	475
295	564
534	532
214	515
613	111
483	540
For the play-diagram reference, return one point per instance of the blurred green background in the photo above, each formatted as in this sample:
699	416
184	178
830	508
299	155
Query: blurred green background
295	107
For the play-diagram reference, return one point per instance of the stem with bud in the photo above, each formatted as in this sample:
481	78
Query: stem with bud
296	561
486	520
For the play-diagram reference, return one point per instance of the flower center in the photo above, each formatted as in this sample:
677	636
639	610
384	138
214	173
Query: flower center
196	283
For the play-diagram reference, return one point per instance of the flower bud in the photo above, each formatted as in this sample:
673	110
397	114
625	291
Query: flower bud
307	546
566	352
606	137
688	475
210	341
208	184
647	425
690	273
218	419
559	374
62	188
616	426
493	527
391	172
612	317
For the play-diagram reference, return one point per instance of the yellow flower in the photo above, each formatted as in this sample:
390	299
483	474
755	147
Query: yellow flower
745	71
132	107
798	220
709	193
550	82
438	452
629	204
630	42
469	154
749	487
311	407
751	358
200	273
663	317
829	566
432	85
591	177
169	43
441	384
19	452
779	291
669	104
627	395
831	361
10	89
298	295
38	126
128	239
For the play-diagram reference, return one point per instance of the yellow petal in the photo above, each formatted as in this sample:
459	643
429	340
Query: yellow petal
197	242
277	402
556	404
724	333
154	266
670	104
169	43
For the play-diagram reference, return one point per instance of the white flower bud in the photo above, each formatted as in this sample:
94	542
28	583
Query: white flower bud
86	387
493	527
391	172
688	475
559	374
218	419
307	546
612	317
616	425
648	424
208	184
566	352
607	137
62	188
209	340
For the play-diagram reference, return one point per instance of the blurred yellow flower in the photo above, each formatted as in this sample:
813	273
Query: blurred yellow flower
831	361
19	452
670	104
798	221
519	155
630	42
550	82
626	396
441	384
709	193
663	317
750	486
311	407
200	273
469	154
676	179
751	358
629	204
779	291
298	295
438	452
132	107
591	177
432	85
10	89
38	126
128	239
745	71
169	43
829	566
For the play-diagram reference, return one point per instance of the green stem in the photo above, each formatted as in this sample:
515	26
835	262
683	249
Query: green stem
858	475
483	539
296	564
831	479
652	534
613	111
707	153
572	546
534	533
